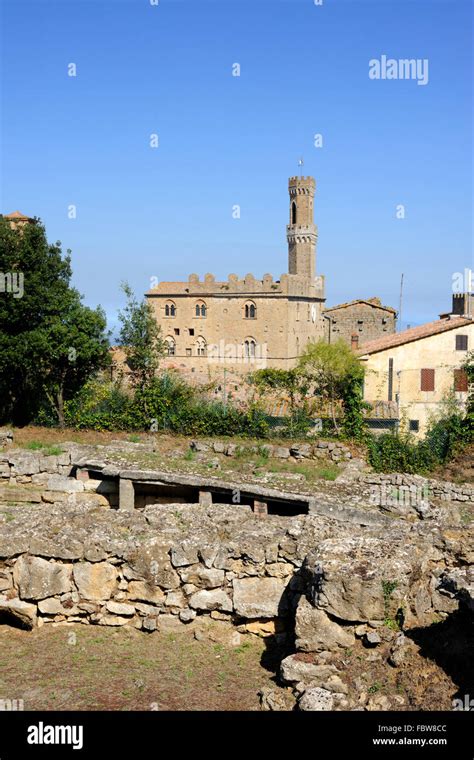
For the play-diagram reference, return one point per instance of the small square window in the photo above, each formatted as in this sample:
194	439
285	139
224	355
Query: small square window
461	342
176	330
188	352
414	426
191	330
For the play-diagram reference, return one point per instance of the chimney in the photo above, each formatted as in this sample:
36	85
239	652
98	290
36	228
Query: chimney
463	304
354	341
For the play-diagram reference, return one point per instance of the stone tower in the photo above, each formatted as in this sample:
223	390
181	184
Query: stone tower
301	232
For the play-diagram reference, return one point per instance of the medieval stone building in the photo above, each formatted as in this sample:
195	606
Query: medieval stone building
248	323
359	321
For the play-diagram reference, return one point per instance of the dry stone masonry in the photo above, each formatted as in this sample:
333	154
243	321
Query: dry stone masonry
318	582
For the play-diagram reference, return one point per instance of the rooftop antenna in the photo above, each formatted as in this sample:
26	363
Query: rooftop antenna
400	305
301	164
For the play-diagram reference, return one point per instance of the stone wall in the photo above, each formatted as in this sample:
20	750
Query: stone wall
318	582
226	573
333	450
413	488
31	477
366	320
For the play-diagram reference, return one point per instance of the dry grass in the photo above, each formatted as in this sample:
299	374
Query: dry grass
123	669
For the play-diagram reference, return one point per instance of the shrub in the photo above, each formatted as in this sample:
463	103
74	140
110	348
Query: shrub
102	406
395	453
166	403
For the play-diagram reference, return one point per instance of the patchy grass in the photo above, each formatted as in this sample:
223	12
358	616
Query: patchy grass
172	453
311	471
110	669
45	449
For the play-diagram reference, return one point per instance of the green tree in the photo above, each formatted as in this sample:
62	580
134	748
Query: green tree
50	343
140	337
468	368
287	382
335	374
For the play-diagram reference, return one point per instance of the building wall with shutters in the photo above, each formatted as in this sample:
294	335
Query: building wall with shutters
424	372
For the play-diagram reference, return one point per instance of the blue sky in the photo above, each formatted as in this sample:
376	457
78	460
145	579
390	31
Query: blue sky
224	140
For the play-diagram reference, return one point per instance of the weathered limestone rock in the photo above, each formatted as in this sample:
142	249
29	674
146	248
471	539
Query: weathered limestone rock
281	452
126	495
37	578
23	612
113	620
150	624
184	554
4	470
118	608
301	450
144	592
316	698
6	580
6	437
460	583
259	597
316	632
276	699
53	606
295	670
175	599
17	495
203	576
187	615
264	627
353	589
279	569
95	581
152	562
398	651
372	639
64	484
211	600
24	464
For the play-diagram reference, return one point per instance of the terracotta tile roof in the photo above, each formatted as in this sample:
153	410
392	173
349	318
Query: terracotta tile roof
369	301
16	215
414	333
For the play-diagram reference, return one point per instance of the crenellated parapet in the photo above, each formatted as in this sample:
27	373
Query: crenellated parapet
301	186
210	286
288	284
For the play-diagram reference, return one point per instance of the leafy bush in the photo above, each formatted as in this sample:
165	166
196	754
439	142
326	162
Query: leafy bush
401	453
395	453
447	436
102	406
166	403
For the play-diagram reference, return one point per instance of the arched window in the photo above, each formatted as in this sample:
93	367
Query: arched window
201	346
170	309
293	213
250	346
170	346
201	309
250	310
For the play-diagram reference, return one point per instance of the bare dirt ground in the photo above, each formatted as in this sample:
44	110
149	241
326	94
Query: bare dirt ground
97	668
